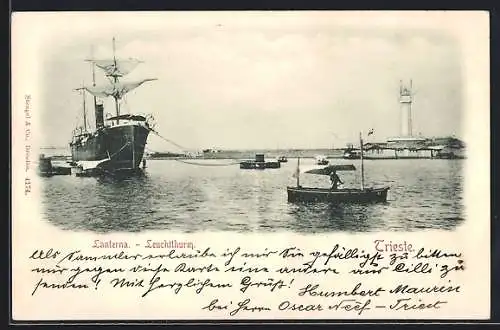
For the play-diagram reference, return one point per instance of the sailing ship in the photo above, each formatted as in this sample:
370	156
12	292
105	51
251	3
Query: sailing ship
345	195
117	143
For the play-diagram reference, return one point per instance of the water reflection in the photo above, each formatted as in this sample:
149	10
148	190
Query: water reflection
121	176
173	196
336	217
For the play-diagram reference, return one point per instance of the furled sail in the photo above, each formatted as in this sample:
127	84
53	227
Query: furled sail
118	67
117	90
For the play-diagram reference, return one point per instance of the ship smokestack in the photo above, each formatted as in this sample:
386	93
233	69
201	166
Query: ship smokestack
99	115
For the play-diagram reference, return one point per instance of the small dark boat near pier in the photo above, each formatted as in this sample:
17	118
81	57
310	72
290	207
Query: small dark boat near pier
47	169
351	154
44	166
282	159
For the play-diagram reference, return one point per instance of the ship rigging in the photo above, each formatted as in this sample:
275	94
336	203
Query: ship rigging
118	142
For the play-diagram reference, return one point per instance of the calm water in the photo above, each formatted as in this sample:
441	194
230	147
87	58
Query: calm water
424	194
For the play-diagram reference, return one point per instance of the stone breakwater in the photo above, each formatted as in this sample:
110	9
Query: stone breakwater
250	154
63	154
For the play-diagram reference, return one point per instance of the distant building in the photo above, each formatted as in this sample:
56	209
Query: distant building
407	145
440	147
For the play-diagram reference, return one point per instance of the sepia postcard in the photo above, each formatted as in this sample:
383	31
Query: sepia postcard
250	165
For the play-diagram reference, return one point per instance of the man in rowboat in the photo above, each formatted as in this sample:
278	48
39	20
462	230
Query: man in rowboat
334	178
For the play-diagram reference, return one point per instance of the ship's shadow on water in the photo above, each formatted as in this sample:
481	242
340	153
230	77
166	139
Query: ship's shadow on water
125	210
123	176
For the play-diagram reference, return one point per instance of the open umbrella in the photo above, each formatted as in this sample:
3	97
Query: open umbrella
327	170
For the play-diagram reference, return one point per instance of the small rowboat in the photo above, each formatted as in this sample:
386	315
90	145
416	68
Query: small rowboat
321	160
351	154
347	195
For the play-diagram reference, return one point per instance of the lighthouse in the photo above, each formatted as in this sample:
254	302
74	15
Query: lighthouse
405	102
406	137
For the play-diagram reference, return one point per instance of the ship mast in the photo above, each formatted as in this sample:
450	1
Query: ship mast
115	78
84	110
362	163
410	121
298	172
113	68
93	76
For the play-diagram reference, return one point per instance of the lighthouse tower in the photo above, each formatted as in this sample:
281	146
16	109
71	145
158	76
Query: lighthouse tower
405	101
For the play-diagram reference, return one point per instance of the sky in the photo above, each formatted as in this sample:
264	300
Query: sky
255	80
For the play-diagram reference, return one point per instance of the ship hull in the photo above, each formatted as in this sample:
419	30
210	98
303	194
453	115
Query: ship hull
122	146
324	195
